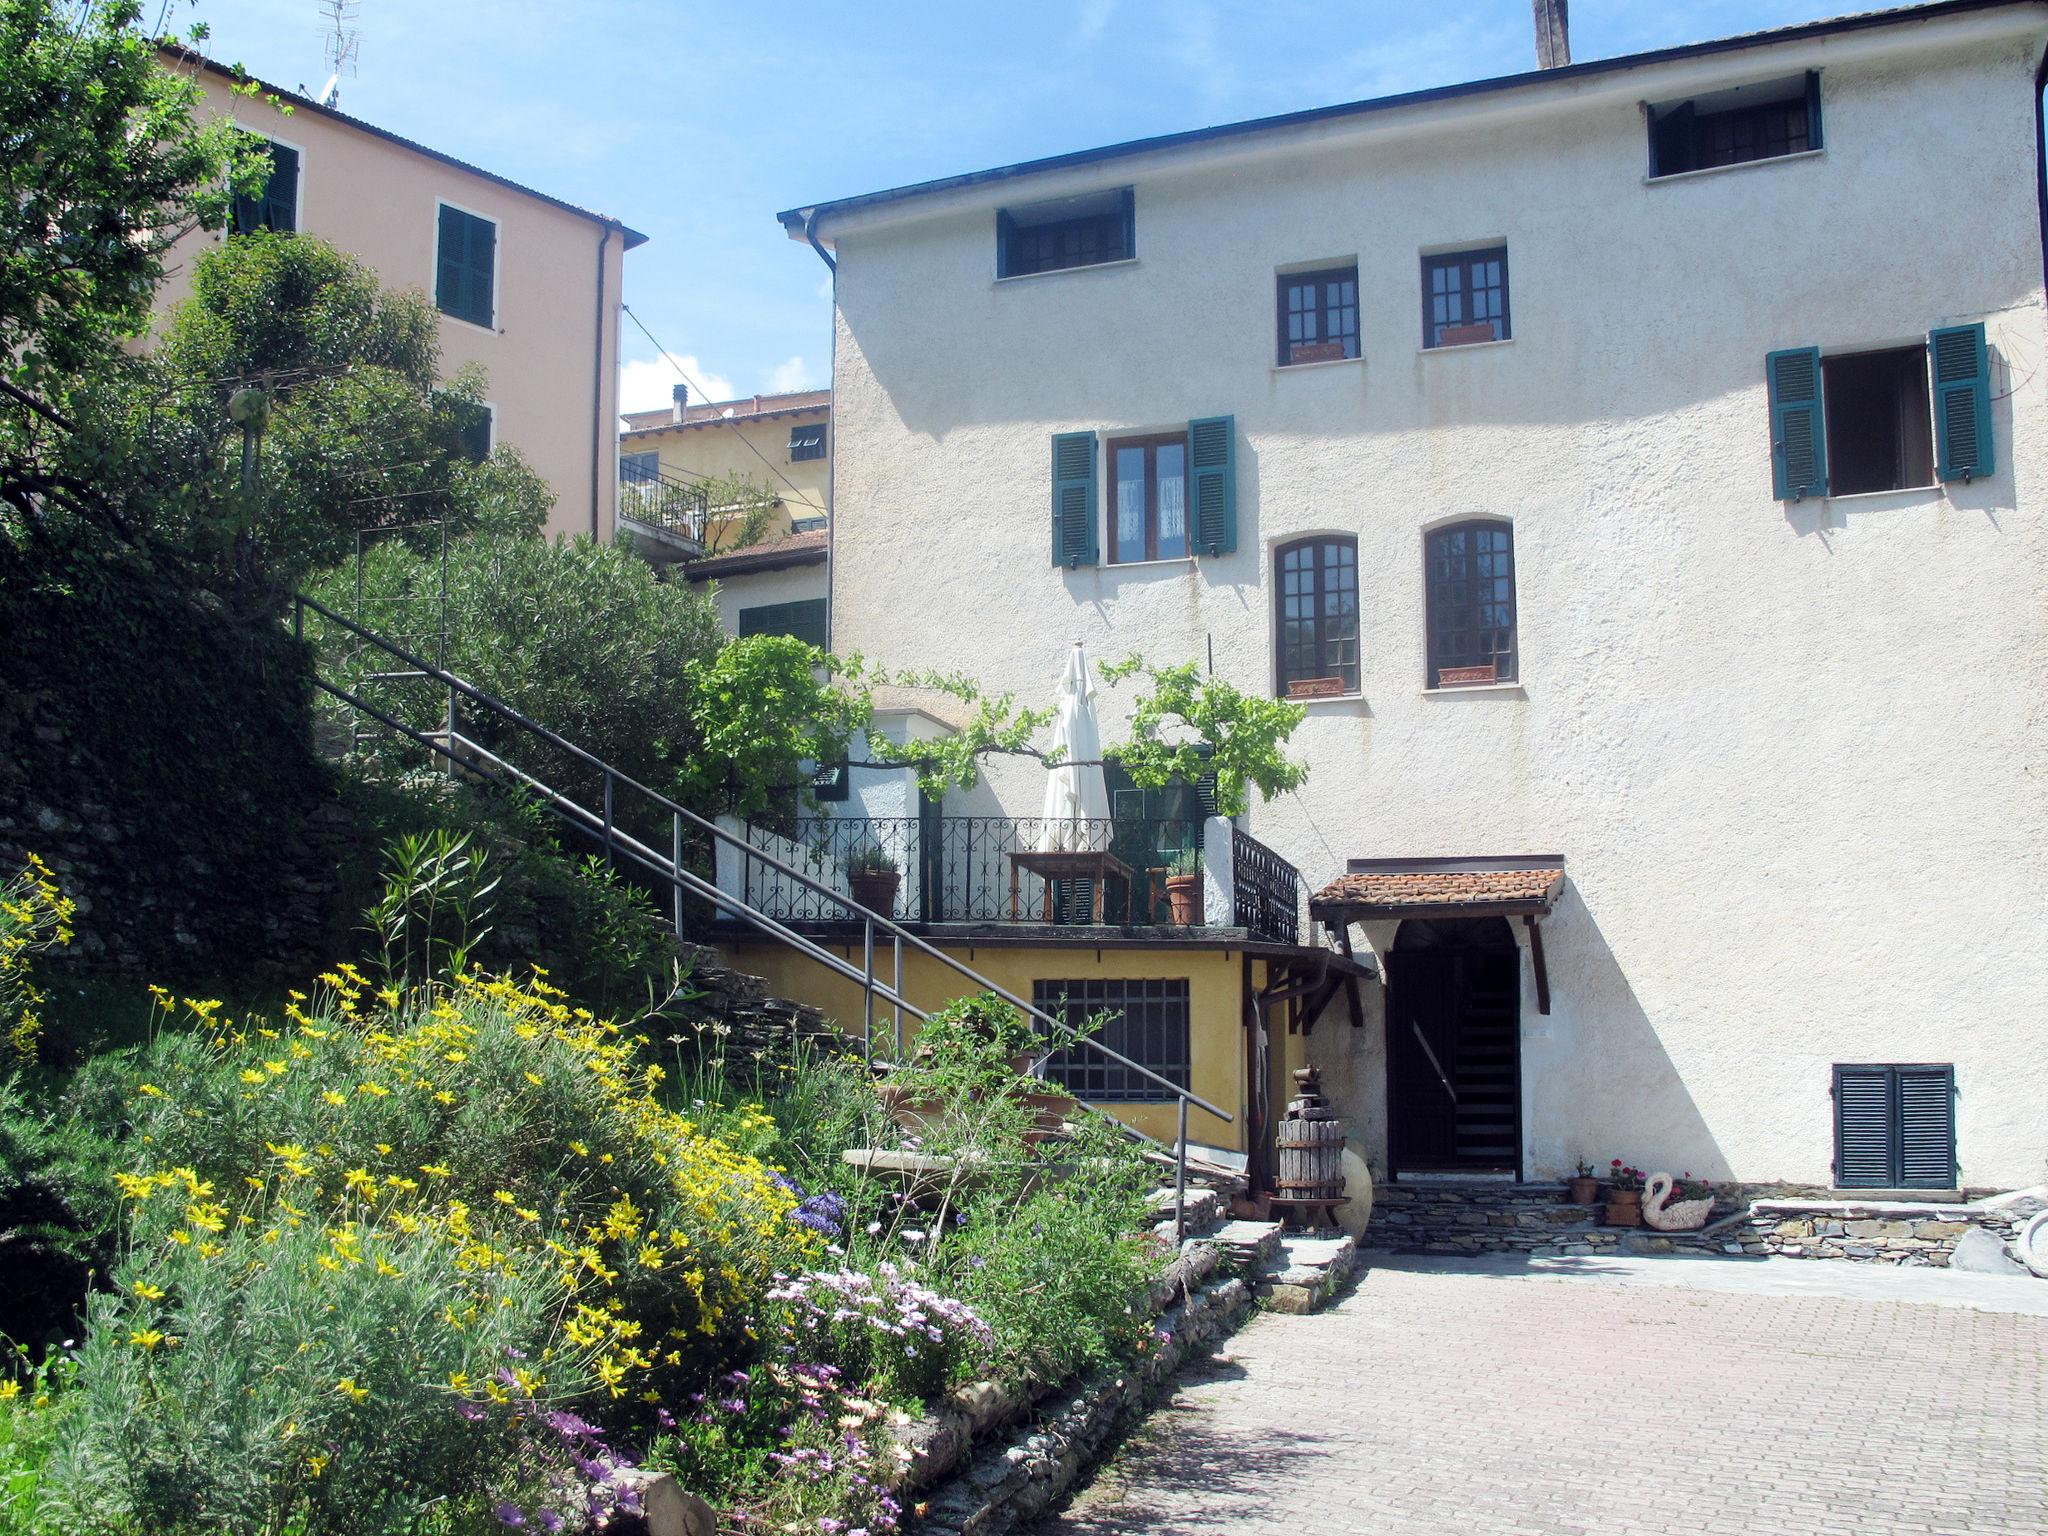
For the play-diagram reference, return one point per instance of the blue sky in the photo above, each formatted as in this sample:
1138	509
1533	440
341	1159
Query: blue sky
696	120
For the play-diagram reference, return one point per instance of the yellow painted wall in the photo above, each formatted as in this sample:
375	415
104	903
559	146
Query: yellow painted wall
1215	1008
729	448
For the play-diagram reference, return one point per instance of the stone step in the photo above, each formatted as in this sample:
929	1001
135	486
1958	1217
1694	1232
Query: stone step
1306	1272
1248	1243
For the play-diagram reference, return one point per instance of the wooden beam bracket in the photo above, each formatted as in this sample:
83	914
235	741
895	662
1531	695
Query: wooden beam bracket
1536	958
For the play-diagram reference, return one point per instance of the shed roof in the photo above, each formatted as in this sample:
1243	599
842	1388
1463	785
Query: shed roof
1370	888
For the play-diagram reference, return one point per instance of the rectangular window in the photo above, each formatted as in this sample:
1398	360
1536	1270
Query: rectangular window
1880	428
478	432
807	442
276	207
1317	597
1148	1023
466	266
1465	298
639	468
1895	1127
1149	500
1318	316
803	620
1734	127
1068	232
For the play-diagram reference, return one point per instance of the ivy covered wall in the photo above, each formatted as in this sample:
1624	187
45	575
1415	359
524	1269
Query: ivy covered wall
156	750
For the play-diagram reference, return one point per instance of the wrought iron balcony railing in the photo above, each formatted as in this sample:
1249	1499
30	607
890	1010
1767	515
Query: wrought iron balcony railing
961	869
663	502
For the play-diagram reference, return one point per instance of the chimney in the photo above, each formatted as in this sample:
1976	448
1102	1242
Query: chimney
1553	33
679	402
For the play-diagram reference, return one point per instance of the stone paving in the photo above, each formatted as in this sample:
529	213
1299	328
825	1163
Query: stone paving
1486	1399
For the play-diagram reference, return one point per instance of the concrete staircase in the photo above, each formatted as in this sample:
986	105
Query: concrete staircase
1498	1217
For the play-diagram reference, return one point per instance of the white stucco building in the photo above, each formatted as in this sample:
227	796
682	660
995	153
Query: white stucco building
1639	461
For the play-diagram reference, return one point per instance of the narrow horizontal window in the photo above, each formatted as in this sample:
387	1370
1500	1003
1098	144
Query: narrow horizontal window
1068	232
803	620
1736	126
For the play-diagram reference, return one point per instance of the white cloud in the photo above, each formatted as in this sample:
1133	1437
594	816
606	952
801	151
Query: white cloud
792	375
648	383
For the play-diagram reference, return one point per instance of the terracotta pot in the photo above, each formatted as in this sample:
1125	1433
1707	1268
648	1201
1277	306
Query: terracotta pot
1583	1191
1624	1207
876	892
1052	1109
1184	897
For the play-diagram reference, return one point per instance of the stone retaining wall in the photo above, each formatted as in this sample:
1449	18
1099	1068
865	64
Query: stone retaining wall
1880	1231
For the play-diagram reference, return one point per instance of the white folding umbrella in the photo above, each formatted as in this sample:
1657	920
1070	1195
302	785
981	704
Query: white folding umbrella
1075	789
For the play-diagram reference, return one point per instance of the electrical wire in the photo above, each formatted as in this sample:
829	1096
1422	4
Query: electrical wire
801	494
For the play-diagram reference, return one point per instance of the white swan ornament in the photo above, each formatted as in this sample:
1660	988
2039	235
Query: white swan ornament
1685	1216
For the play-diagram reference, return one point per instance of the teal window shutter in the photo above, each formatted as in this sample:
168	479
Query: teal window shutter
1212	461
1965	447
464	266
1799	440
1073	499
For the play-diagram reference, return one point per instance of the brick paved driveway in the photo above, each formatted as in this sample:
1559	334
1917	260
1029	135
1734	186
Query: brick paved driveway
1437	1401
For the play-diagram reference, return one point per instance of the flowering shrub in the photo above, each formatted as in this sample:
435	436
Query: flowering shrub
357	1237
830	1454
901	1339
1622	1177
35	915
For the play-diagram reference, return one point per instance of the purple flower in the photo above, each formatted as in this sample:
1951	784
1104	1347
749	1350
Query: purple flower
664	1418
510	1515
549	1521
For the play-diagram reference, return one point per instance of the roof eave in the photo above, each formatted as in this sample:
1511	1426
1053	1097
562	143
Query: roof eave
633	238
802	222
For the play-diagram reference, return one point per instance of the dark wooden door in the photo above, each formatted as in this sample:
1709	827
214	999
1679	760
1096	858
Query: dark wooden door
1453	1046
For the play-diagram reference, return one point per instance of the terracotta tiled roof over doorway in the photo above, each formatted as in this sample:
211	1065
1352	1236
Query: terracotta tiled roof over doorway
1415	887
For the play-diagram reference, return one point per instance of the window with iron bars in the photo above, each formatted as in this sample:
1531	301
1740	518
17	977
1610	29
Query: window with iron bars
1147	1022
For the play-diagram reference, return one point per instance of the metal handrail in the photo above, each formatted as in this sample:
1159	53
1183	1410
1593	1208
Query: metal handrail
682	880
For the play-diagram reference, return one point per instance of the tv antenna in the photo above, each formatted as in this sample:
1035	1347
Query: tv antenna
343	39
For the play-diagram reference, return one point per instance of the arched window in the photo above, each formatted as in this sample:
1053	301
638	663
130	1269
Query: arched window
1315	616
1471	581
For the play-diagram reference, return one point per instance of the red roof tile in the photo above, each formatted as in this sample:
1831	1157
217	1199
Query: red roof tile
796	549
1447	889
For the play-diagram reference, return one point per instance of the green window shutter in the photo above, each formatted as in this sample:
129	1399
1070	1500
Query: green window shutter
281	192
1965	448
1212	462
1863	1127
1926	1098
1073	499
465	256
803	620
1799	442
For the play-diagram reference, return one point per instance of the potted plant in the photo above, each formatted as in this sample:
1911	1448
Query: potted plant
1184	887
1582	1188
1624	1195
872	877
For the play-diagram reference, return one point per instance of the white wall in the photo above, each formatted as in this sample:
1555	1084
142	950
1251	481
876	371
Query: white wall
1796	756
757	589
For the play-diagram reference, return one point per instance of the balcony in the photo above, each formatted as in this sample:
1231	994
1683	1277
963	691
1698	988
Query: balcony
665	515
961	870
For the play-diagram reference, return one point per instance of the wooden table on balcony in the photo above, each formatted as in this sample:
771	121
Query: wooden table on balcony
1050	864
